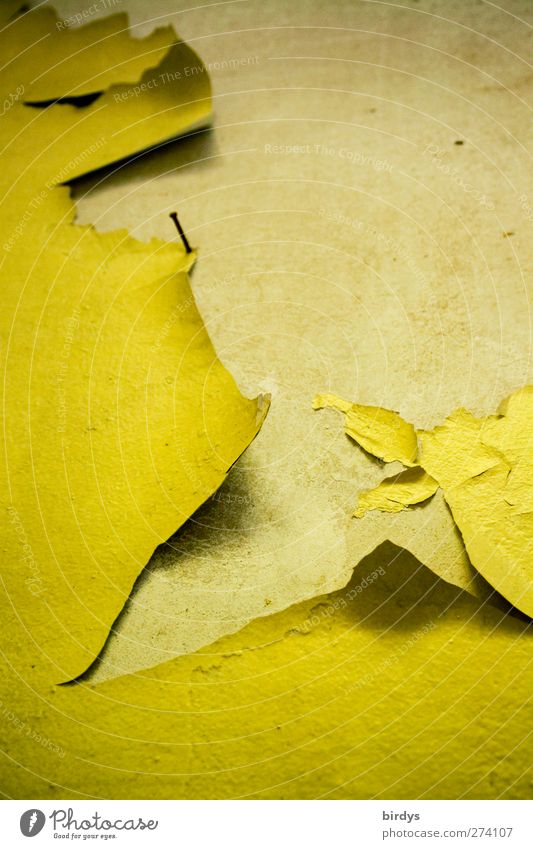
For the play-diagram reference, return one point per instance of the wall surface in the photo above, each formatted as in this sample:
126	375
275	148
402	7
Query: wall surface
363	207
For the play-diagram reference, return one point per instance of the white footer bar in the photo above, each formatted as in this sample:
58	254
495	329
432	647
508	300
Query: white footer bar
268	824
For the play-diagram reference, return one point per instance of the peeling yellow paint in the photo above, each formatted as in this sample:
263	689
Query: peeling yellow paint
485	469
382	433
393	494
396	686
76	61
120	420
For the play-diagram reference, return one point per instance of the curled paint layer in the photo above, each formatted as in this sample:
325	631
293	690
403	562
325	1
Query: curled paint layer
382	433
412	486
120	420
485	470
247	716
485	467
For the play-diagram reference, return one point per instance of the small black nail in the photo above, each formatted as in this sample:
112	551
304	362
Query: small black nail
179	228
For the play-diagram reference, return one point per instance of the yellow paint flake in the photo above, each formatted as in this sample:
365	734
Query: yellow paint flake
342	696
511	434
412	486
382	433
455	451
120	420
485	470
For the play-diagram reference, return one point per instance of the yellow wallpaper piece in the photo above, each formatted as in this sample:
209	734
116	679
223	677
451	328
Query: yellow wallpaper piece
397	686
393	494
8	9
510	433
456	450
428	531
163	101
90	59
485	469
120	421
382	433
